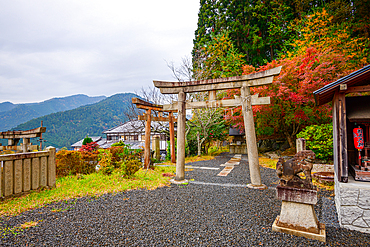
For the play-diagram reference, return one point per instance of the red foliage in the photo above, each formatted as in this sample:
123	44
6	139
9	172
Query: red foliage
292	102
89	147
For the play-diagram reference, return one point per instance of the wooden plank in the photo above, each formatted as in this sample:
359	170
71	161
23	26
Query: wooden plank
8	178
160	119
17	176
35	173
43	171
51	167
220	86
219	103
26	174
358	89
255	76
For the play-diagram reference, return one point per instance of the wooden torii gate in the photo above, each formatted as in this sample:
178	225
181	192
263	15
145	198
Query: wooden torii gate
147	117
246	100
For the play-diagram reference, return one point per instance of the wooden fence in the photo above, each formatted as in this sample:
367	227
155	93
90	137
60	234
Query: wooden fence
27	171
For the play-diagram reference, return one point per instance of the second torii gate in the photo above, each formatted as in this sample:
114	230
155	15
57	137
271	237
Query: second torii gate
149	107
246	100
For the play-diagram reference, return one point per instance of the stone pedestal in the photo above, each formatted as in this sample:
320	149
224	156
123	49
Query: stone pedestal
297	216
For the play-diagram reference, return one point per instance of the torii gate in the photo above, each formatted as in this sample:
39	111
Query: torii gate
147	116
246	100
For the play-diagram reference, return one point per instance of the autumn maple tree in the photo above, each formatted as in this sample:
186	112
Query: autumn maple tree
323	53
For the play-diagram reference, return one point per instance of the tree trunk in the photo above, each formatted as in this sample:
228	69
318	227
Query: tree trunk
290	139
199	144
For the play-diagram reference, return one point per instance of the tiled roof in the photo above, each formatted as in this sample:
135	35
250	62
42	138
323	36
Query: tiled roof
358	78
134	126
94	138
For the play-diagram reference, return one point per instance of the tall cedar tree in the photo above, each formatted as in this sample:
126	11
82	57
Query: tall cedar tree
260	30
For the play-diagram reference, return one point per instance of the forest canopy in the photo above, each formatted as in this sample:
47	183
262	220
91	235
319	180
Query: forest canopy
315	42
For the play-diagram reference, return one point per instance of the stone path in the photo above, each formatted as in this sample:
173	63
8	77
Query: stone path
229	166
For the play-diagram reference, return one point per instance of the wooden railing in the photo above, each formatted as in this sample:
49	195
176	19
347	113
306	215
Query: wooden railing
27	171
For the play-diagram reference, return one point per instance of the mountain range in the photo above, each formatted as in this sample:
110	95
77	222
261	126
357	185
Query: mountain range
12	115
67	127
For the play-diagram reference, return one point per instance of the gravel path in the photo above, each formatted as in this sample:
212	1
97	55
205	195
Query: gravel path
209	211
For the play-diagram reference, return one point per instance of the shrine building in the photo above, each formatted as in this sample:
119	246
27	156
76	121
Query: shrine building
351	144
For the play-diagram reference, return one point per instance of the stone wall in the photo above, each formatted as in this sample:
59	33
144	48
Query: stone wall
238	149
352	201
27	171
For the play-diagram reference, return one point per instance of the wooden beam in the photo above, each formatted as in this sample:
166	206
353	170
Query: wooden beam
219	103
219	86
172	137
259	75
161	119
147	155
358	89
141	104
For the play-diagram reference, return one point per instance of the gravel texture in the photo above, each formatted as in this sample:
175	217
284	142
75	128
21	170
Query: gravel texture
209	211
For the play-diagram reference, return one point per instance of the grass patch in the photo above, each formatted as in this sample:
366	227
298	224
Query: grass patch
267	162
95	184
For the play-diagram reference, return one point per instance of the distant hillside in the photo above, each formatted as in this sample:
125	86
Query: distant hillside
68	127
13	114
6	106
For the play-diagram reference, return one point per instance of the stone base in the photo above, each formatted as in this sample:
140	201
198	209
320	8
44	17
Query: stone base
352	201
321	236
258	187
307	196
173	181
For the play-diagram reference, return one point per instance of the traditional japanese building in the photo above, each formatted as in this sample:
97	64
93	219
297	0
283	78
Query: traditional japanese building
132	133
351	143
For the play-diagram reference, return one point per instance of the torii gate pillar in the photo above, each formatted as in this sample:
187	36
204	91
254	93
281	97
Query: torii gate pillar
250	134
181	118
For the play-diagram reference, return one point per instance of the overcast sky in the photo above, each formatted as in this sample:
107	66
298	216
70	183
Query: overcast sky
63	47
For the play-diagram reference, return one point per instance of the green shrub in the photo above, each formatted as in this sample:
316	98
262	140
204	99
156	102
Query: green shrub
84	162
73	162
212	150
119	144
105	161
87	140
319	139
130	167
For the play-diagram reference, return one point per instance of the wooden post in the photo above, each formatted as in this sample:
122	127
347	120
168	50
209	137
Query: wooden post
343	159
250	135
147	140
156	147
172	138
25	143
181	118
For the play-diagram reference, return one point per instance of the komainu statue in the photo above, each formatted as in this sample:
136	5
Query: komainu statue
288	170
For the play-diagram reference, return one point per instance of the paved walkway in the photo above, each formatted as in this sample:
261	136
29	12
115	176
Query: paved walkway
210	211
